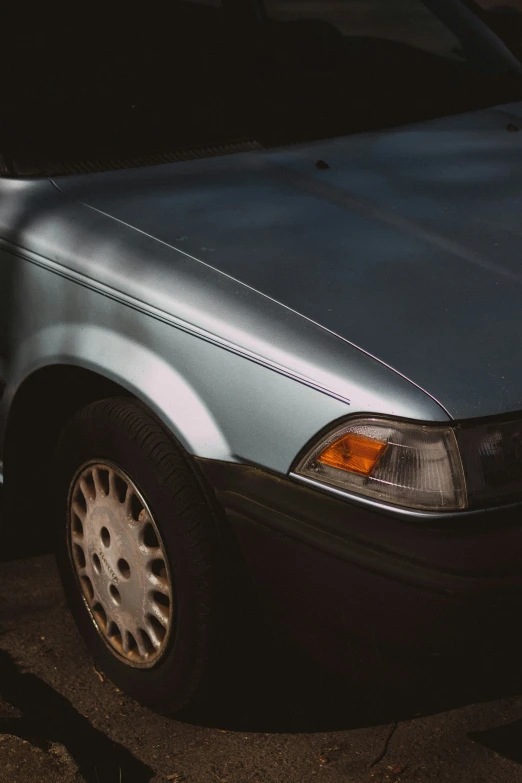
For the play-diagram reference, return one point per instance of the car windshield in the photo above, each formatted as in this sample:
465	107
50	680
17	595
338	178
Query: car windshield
183	73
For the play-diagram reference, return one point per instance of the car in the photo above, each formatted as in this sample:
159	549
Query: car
260	329
505	19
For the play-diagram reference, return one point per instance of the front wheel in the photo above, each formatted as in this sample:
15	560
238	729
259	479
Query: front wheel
138	554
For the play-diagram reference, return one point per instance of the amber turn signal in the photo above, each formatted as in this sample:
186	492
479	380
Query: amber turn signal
397	462
354	453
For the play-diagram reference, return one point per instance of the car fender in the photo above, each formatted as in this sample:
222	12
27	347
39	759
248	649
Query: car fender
148	376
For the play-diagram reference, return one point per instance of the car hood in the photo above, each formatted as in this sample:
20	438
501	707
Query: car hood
406	243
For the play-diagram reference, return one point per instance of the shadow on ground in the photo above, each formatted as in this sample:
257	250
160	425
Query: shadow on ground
48	717
505	740
278	692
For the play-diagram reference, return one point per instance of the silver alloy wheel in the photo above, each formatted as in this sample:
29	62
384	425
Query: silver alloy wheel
120	562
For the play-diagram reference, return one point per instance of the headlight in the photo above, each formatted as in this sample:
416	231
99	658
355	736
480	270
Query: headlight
492	457
404	464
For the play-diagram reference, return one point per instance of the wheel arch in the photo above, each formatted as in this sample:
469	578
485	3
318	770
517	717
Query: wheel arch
40	407
63	367
41	401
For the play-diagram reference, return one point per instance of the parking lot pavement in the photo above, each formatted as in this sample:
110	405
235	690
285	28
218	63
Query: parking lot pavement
60	719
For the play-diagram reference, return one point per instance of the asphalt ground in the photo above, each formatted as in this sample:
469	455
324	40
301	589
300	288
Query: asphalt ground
274	722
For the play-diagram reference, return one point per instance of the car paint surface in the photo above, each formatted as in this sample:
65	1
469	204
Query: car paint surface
408	245
233	374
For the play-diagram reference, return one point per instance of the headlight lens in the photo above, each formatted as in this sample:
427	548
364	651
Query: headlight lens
492	457
404	464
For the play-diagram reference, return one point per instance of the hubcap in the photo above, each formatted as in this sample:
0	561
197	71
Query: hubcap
120	562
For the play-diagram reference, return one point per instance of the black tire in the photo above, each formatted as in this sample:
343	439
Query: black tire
121	431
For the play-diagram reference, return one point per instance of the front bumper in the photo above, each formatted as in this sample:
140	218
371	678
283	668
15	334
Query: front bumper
357	587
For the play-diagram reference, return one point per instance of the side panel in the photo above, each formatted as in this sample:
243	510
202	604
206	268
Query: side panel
235	375
217	403
8	268
7	272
